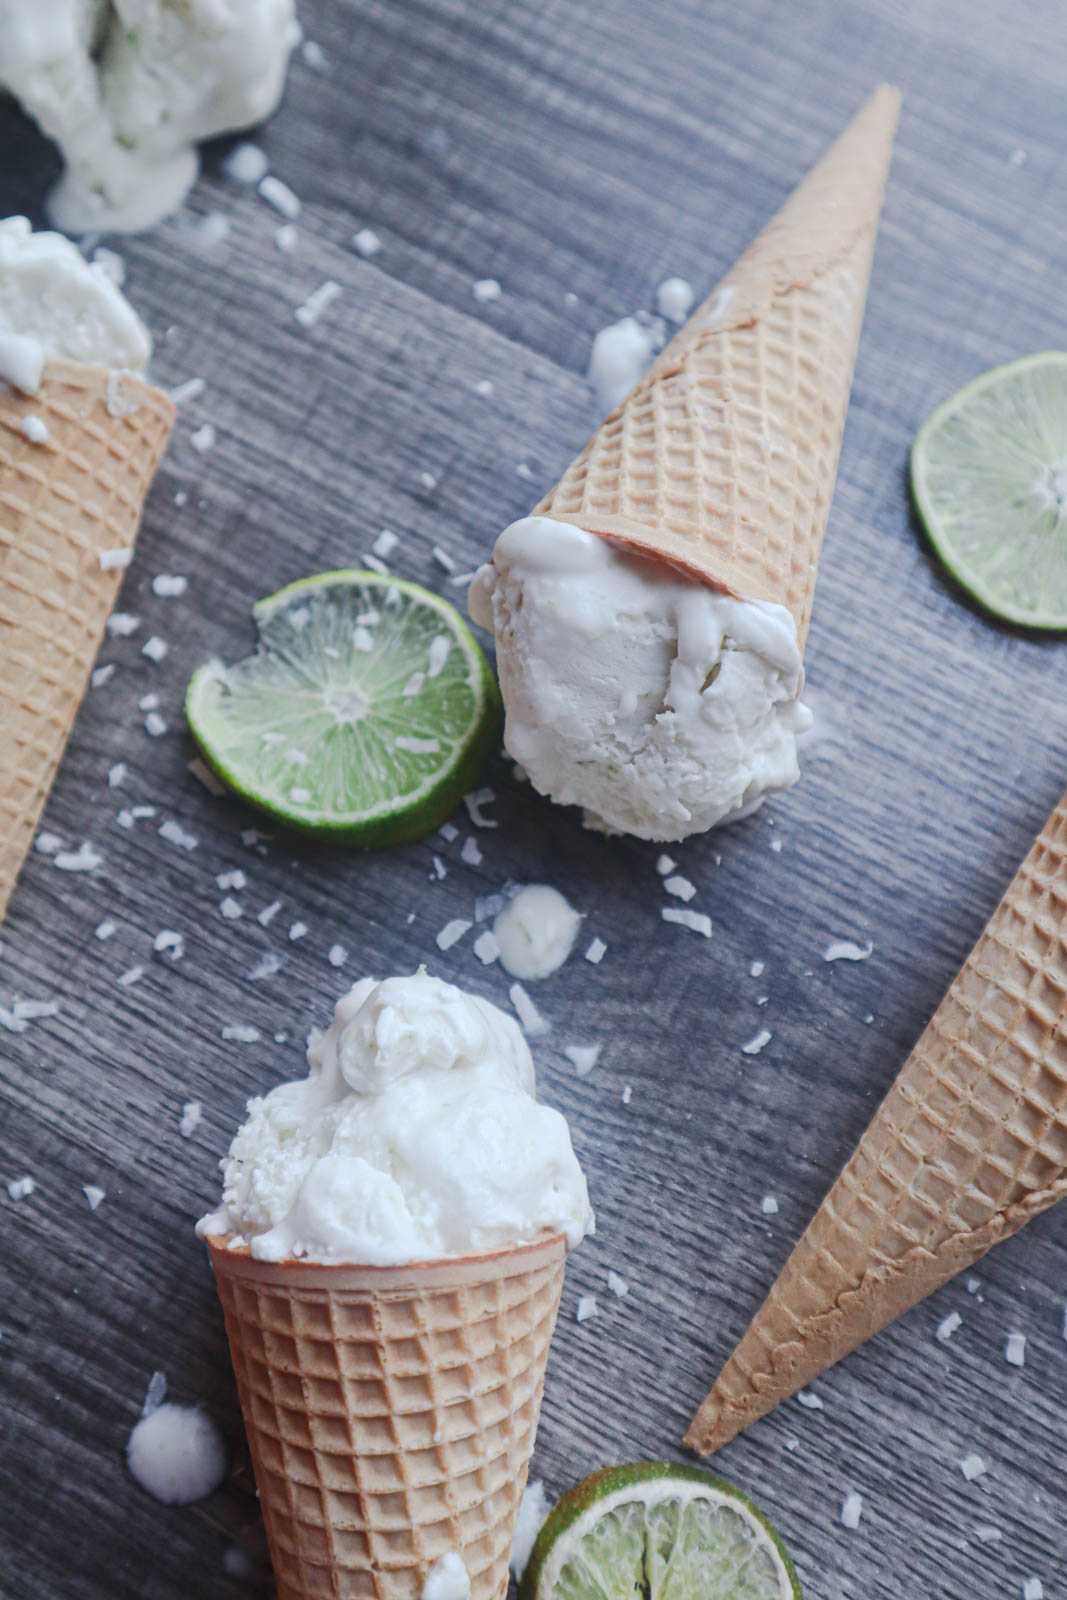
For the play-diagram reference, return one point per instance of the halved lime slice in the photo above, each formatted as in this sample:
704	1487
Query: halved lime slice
363	716
659	1531
989	476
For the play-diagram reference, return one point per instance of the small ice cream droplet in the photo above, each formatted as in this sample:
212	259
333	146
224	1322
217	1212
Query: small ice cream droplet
674	299
536	932
177	1454
447	1579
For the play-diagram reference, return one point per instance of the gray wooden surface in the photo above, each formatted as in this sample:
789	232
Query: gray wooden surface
579	151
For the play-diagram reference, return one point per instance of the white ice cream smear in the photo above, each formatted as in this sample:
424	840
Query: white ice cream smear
447	1579
176	1454
54	303
127	88
621	355
659	706
415	1136
533	1509
536	931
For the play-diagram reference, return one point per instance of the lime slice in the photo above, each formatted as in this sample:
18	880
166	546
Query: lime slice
989	476
363	716
661	1532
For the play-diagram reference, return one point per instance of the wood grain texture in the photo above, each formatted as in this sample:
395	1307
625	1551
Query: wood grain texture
567	148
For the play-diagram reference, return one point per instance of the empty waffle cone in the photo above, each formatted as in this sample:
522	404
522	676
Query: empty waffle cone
390	1411
63	502
722	460
969	1144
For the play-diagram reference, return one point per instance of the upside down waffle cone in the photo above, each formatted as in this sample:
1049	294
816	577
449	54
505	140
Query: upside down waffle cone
390	1411
969	1144
722	460
62	503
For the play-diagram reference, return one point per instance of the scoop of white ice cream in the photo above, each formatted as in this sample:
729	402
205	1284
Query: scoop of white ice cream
55	303
643	696
127	88
415	1136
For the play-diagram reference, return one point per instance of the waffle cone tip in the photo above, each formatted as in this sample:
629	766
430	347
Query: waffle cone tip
721	462
968	1146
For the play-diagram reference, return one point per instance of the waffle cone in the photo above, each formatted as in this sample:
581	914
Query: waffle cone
62	503
969	1144
722	460
390	1411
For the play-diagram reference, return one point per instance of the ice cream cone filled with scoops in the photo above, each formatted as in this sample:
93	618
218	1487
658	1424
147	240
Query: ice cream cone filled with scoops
81	435
650	616
389	1256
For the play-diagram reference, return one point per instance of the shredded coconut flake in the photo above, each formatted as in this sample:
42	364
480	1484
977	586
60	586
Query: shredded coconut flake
809	1401
203	439
531	1019
168	939
297	930
367	242
486	290
583	1057
268	914
680	887
617	1285
1033	1589
385	544
115	560
665	866
313	307
280	196
1015	1350
106	929
94	1194
587	1308
757	1042
698	921
188	391
240	1033
851	1510
948	1326
155	649
769	1206
476	801
169	586
486	948
192	1114
452	933
337	956
121	624
84	859
231	909
131	976
471	853
154	725
972	1466
449	832
117	775
102	675
596	951
175	834
443	558
21	1188
846	950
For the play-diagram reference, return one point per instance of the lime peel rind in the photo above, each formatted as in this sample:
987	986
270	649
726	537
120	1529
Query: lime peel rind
989	480
578	1512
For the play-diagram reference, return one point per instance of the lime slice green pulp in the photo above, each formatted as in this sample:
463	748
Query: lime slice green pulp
989	476
363	716
655	1531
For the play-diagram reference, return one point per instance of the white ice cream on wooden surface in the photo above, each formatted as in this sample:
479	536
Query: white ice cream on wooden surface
54	303
657	705
126	89
535	932
416	1136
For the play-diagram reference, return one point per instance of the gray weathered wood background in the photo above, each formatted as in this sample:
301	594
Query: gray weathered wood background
579	151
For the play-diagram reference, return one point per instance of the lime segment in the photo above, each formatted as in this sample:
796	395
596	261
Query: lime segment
989	476
662	1532
363	716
